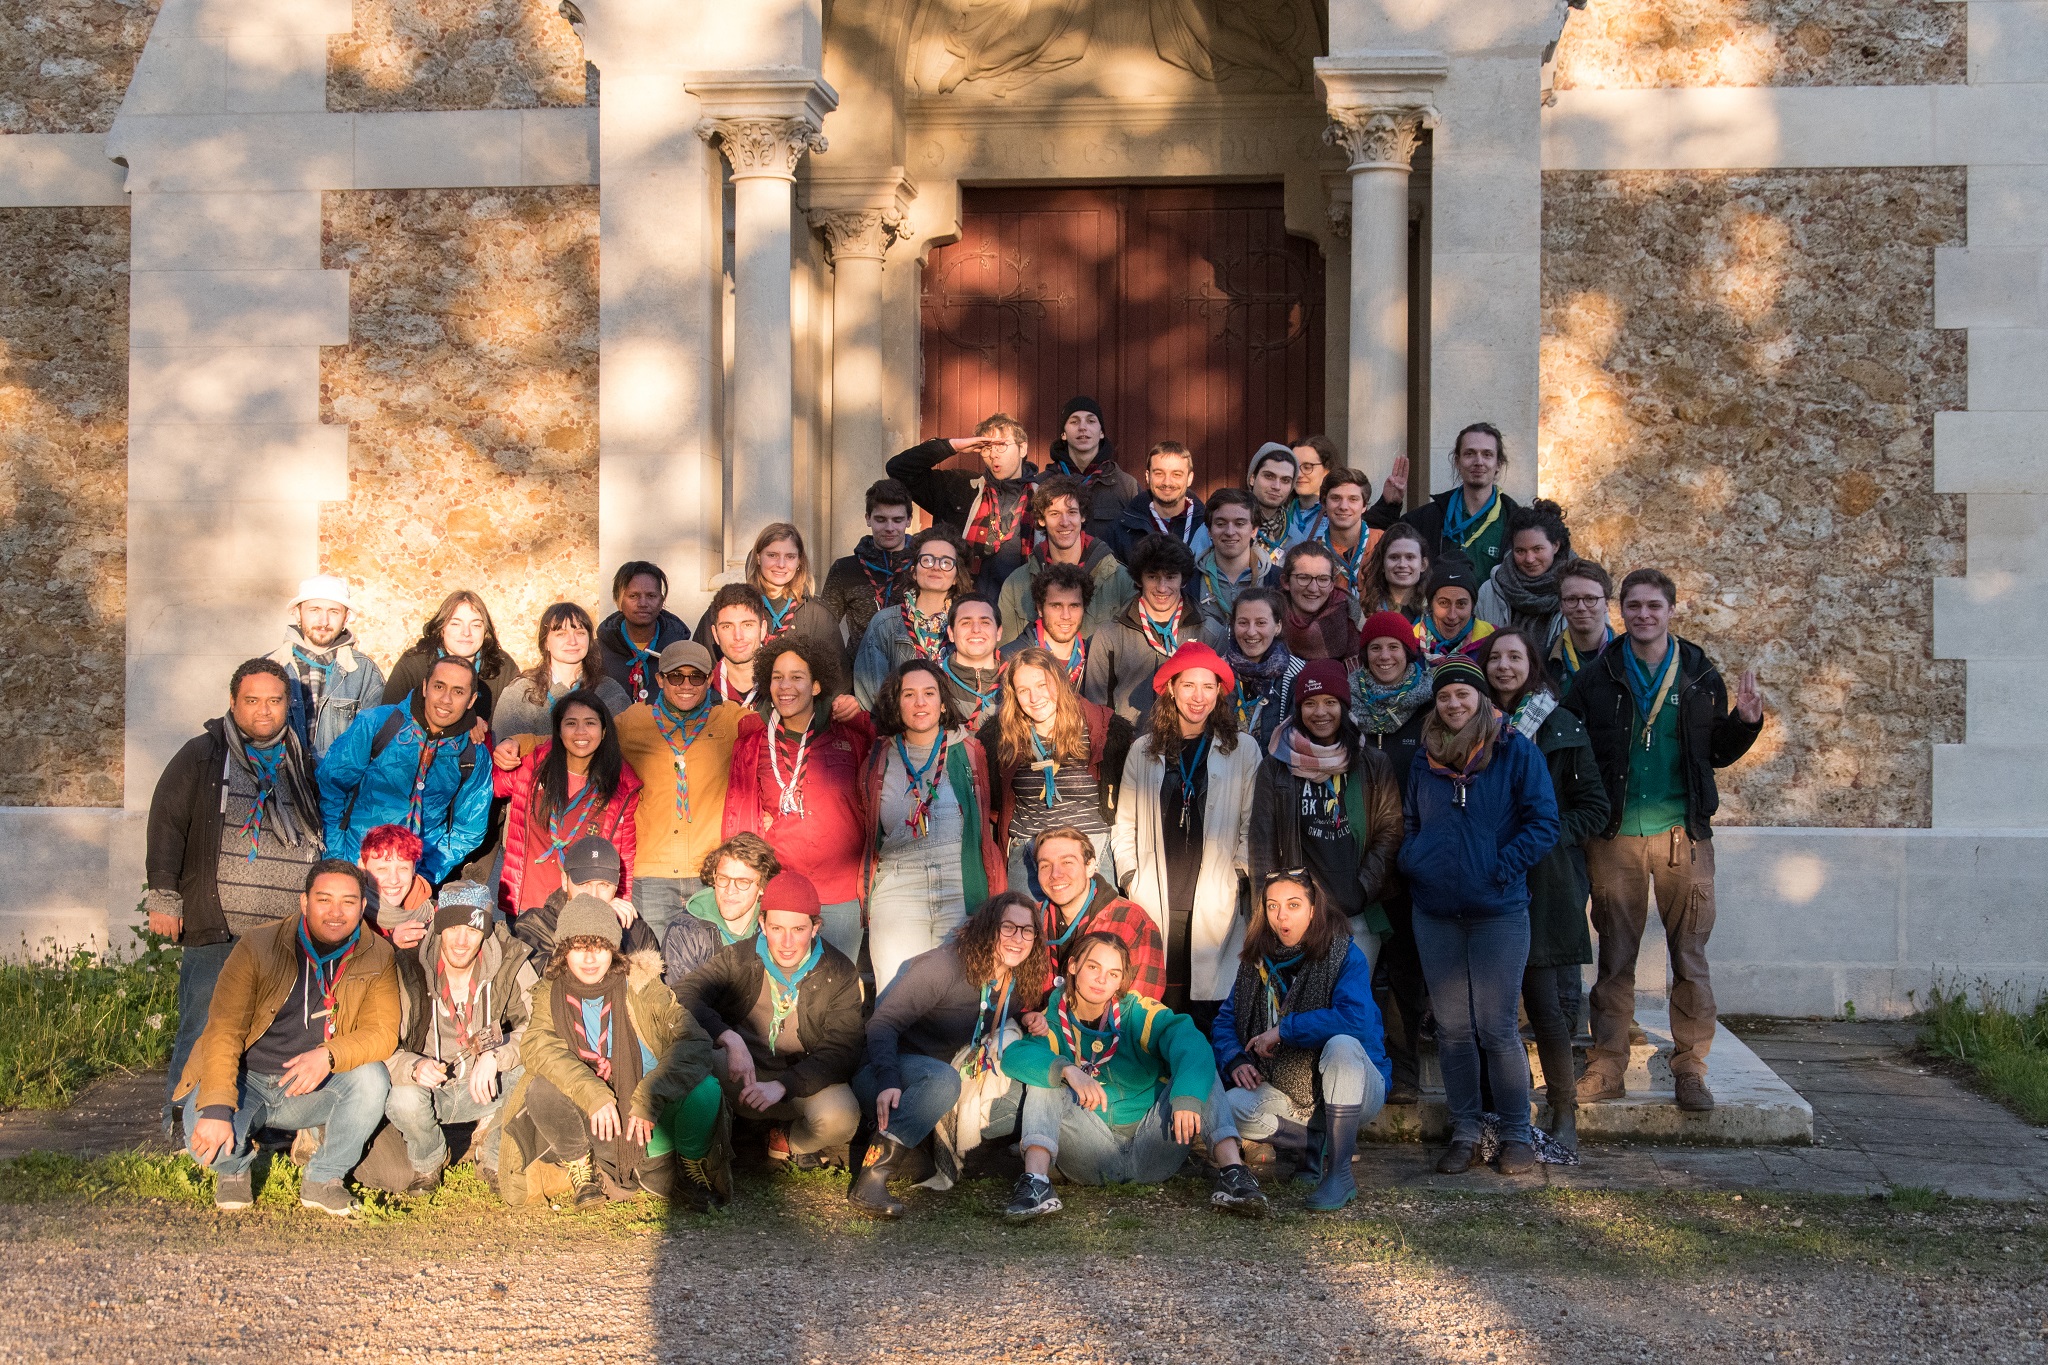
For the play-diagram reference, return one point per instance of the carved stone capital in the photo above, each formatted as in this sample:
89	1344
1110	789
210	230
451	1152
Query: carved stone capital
1378	135
764	146
852	234
1340	218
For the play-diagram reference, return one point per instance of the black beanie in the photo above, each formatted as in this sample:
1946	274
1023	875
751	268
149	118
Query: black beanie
1452	570
1075	405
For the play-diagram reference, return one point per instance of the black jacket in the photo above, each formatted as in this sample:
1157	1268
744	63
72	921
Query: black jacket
1112	489
722	992
1558	932
1710	736
184	834
416	663
811	620
1135	523
535	927
948	494
1429	520
849	594
618	654
1275	837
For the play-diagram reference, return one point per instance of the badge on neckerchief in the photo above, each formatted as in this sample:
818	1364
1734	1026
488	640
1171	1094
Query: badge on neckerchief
1070	1032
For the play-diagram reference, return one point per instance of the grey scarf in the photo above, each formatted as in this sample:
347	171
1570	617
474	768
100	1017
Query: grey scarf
290	804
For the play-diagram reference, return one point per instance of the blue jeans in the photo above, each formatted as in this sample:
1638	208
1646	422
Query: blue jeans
1474	969
1349	1077
198	970
917	898
349	1104
840	924
660	899
1089	1150
930	1090
419	1113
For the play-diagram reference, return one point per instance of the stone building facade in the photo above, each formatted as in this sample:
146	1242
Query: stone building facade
500	294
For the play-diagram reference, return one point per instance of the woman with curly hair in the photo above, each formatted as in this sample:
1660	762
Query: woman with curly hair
935	1041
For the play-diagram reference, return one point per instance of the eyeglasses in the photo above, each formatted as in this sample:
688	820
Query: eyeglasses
735	883
685	677
936	561
1008	930
1321	580
1592	601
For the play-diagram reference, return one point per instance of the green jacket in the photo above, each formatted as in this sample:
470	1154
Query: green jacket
1155	1048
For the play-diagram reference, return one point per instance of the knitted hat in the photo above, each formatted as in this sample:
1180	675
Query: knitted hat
322	588
590	859
1389	625
1081	404
788	890
588	917
1322	678
1194	654
684	652
1271	450
1457	669
1452	570
464	903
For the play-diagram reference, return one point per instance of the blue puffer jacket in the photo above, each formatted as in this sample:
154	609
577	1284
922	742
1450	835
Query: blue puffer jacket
382	791
1351	1011
1474	860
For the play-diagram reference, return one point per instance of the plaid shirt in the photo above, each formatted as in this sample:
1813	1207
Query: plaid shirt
1109	913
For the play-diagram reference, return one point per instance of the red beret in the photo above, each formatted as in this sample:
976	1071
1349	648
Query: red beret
788	890
1194	654
1389	625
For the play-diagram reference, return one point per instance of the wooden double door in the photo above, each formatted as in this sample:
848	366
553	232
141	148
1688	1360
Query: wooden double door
1187	311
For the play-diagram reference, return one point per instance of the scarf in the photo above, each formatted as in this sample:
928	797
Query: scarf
1077	656
431	751
1048	767
984	697
1269	540
789	794
315	667
614	1054
461	1014
923	789
1273	987
1306	759
1000	513
1351	567
927	633
1436	645
881	568
323	971
1224	594
1058	941
1070	1035
1530	712
1258	680
722	684
1569	652
1381	708
1102	473
643	673
1165	637
681	731
782	990
1186	518
1462	755
1531	602
1326	635
1651	692
778	621
985	1048
1466	530
284	791
566	825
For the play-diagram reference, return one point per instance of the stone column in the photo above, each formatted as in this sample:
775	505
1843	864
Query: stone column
763	150
858	240
1380	138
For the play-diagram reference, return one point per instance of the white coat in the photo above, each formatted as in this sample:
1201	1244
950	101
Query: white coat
1216	929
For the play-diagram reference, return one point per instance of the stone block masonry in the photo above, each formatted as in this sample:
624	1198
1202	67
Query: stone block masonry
469	386
456	54
1637	44
63	504
1740	376
64	68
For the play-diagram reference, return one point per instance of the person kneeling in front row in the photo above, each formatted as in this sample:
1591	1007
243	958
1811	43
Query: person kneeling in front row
1117	1090
618	1088
1300	1020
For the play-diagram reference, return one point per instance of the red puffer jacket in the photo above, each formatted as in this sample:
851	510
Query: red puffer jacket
527	881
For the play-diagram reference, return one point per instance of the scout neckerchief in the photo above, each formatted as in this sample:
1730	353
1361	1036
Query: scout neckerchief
1327	794
1186	535
1467	529
565	826
722	680
430	750
681	731
1271	541
927	633
1306	520
461	1013
1052	920
1077	652
1353	563
1070	1033
782	990
982	697
776	618
790	796
1216	585
985	1048
1571	651
880	573
315	672
1164	638
1273	975
646	666
1434	644
323	970
265	764
598	1055
1048	767
1651	693
991	524
922	790
1191	761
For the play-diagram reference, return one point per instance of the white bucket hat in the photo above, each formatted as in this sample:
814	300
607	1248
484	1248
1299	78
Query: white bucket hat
322	588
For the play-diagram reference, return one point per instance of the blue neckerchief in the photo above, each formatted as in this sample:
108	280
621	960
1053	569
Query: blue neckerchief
987	1056
795	979
775	618
1038	748
325	667
1052	916
1455	520
1640	680
1273	974
1199	755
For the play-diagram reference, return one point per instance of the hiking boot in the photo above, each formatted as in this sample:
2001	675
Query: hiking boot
306	1144
586	1189
424	1182
328	1196
1599	1084
1404	1092
1458	1158
1237	1191
233	1191
1564	1126
709	1177
1693	1095
1338	1186
1516	1158
1032	1198
869	1190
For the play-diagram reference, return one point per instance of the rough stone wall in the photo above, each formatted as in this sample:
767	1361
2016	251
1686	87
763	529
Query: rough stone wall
1615	44
470	388
64	66
457	54
1740	376
63	504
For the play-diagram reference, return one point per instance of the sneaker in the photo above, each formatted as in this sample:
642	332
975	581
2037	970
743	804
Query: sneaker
233	1191
1598	1085
424	1182
328	1196
1693	1095
1237	1191
1032	1198
778	1143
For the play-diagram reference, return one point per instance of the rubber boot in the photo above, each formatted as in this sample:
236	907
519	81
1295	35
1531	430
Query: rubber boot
1291	1137
869	1191
1310	1171
1338	1186
1562	1089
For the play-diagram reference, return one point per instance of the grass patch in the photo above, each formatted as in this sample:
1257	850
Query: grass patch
68	1019
2003	1045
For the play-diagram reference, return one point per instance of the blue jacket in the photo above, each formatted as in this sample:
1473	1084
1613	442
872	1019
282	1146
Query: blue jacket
1351	1011
1474	860
382	792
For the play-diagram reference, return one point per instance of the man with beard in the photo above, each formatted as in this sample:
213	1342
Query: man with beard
330	680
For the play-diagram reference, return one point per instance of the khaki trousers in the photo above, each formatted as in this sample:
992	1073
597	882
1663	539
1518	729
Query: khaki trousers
1624	871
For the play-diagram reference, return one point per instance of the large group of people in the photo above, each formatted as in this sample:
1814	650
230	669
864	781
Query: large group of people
1096	818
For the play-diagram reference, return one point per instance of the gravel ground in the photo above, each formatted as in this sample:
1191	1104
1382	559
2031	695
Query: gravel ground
1124	1275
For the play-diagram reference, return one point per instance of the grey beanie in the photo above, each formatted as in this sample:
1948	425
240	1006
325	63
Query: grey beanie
588	917
1271	450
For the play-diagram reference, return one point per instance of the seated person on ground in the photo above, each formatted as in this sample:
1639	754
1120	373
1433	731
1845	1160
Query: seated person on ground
1079	901
726	911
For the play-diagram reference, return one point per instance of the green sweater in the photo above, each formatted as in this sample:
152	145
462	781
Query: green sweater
1156	1048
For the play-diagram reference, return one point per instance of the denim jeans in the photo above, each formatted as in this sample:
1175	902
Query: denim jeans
419	1112
918	897
349	1104
660	899
1089	1150
198	969
1368	942
930	1090
839	923
1474	967
1349	1077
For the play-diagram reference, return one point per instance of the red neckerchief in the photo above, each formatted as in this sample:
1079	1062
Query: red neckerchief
1070	1033
1165	641
1077	657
